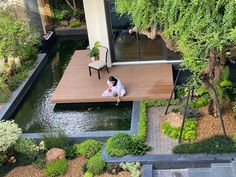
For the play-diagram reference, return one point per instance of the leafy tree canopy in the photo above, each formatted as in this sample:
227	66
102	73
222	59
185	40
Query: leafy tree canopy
194	26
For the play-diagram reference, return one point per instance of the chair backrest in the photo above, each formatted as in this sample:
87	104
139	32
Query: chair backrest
103	53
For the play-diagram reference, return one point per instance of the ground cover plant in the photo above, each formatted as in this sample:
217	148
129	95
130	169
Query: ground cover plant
189	130
213	145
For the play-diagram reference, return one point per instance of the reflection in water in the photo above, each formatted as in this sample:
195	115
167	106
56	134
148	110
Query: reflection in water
37	113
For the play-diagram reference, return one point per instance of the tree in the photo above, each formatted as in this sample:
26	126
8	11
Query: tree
202	30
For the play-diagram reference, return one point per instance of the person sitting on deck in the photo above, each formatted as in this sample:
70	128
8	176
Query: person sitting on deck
115	89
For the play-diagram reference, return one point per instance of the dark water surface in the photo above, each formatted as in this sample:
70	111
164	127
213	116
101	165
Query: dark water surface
38	114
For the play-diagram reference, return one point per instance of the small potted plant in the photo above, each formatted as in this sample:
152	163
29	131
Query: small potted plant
94	52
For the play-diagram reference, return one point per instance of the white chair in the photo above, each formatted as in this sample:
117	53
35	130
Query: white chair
101	63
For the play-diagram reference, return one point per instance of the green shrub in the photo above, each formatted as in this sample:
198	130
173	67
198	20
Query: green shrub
132	167
9	134
216	144
138	147
96	165
70	152
201	91
75	23
40	162
119	145
56	168
58	140
27	147
189	131
226	83
88	174
88	148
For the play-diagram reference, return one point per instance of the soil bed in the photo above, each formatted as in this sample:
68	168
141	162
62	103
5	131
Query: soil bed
209	126
74	170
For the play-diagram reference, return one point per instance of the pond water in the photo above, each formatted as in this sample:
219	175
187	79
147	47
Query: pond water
38	114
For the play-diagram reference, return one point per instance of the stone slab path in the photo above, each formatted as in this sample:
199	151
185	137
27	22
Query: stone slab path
171	173
161	143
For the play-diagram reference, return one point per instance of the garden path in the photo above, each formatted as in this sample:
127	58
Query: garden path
161	143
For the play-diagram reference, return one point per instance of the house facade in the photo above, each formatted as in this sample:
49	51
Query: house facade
112	30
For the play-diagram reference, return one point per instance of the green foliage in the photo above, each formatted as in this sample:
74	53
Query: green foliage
193	113
27	147
138	147
88	148
179	92
113	168
226	83
200	102
195	26
229	93
119	145
5	93
189	131
75	23
17	39
57	140
70	152
95	50
9	134
40	162
234	139
132	167
56	168
17	79
225	73
201	91
88	174
142	126
96	165
213	145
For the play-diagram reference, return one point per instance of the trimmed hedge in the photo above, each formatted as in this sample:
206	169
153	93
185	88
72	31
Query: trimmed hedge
213	145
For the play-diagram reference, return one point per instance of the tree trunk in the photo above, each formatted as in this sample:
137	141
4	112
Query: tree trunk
212	75
73	7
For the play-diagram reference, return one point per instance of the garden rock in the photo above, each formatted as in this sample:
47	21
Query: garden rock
54	154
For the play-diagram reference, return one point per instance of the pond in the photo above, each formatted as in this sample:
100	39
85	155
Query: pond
38	114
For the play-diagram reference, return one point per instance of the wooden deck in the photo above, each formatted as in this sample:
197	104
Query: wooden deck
142	82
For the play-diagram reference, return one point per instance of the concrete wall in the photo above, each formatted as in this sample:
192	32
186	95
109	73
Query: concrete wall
95	16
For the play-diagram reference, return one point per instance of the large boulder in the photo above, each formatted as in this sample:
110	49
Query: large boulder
55	154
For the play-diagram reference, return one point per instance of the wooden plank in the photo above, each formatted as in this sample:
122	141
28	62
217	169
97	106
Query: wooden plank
142	82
